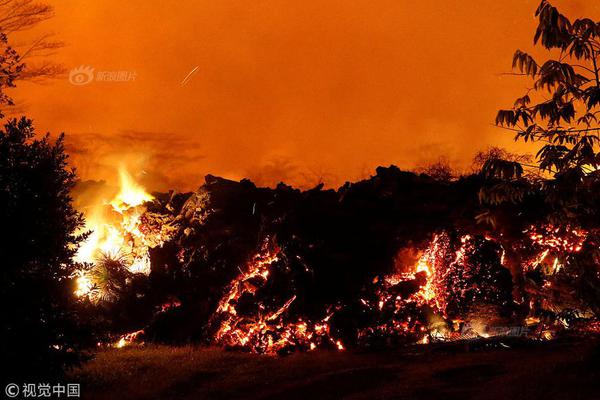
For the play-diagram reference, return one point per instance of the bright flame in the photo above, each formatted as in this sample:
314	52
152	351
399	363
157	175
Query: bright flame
84	285
128	339
131	193
116	231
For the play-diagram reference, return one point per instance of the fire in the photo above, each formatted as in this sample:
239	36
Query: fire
117	233
397	307
128	339
427	292
258	268
455	290
450	292
83	284
429	264
553	244
130	195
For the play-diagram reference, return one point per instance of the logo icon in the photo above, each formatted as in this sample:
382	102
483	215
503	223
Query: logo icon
81	75
11	390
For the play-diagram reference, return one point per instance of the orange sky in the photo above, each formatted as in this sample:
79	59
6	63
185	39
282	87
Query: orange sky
295	91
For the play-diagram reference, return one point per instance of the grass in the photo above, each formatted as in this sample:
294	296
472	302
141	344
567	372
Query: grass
558	370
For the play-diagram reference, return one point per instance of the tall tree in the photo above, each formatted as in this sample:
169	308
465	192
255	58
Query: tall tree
37	245
567	120
560	112
38	223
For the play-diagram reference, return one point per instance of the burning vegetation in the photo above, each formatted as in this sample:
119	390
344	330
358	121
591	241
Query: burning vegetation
279	270
119	236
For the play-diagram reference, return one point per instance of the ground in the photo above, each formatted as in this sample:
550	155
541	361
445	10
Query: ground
507	369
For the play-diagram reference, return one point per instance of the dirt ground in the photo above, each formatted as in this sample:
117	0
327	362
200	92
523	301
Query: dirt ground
561	369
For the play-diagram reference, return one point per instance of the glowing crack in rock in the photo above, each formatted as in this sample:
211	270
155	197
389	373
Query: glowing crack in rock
267	332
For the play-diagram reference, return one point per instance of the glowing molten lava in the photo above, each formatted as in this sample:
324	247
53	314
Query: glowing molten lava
268	332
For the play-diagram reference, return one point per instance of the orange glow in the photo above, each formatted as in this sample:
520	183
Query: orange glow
283	91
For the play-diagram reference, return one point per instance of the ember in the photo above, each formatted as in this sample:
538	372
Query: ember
564	239
266	331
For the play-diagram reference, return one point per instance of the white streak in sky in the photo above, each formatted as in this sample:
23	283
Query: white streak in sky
189	75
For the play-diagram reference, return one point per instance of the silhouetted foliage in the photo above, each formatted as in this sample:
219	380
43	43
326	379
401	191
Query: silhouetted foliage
25	59
440	170
566	122
560	112
37	245
497	153
10	68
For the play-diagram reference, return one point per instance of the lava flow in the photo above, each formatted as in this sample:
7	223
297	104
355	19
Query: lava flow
456	286
266	332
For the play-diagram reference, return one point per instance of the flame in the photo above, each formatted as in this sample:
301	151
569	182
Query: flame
131	194
128	339
119	228
83	285
117	232
442	266
427	292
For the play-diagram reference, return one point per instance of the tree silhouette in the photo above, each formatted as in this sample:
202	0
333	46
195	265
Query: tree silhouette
566	122
37	245
440	170
560	112
10	69
25	59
